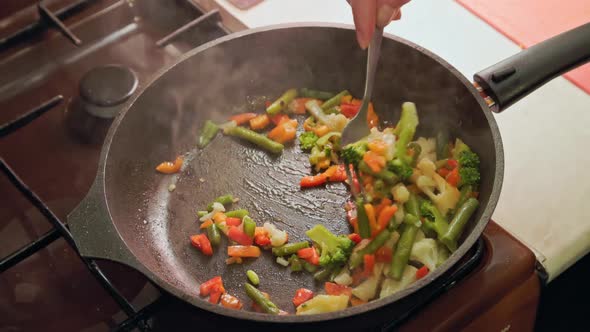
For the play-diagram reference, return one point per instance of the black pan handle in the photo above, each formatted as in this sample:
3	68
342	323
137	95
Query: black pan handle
94	233
509	80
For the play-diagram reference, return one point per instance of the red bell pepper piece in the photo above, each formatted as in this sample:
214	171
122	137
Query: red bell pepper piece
310	255
452	163
383	255
231	221
243	118
422	272
335	289
238	235
349	110
453	177
338	175
302	295
443	172
207	286
201	242
279	118
313	181
369	261
355	237
216	291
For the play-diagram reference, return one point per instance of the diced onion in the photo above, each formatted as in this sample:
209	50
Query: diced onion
282	261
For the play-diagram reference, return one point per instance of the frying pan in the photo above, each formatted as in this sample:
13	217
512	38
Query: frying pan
131	217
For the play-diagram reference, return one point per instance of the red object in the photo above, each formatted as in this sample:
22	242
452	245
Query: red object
231	221
422	272
238	235
277	119
302	295
452	163
355	238
242	118
383	255
216	291
369	264
229	301
312	181
243	251
310	255
201	242
298	105
453	177
206	287
528	22
262	240
349	110
443	172
335	289
338	175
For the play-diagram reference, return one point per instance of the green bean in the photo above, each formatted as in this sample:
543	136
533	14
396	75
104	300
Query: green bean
466	191
213	234
386	175
208	132
259	298
241	213
334	100
417	150
458	223
253	277
323	274
249	226
309	267
289	248
442	144
374	245
362	219
412	206
401	253
279	104
255	138
225	200
296	265
309	93
202	213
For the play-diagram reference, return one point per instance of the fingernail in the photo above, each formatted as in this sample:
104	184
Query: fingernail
363	42
384	15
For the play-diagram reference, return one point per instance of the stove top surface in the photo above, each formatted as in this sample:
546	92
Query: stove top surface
56	156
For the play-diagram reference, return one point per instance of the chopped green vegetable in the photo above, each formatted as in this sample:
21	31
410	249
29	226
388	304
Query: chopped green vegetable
265	304
405	130
225	200
353	153
385	174
334	100
309	267
295	262
434	221
362	219
249	226
442	144
208	132
253	277
282	261
335	249
402	251
213	234
316	94
289	248
469	168
459	147
241	213
202	213
453	232
357	257
323	274
416	151
278	105
323	304
401	168
258	139
307	140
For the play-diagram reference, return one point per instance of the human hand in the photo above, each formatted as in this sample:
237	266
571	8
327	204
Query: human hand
370	13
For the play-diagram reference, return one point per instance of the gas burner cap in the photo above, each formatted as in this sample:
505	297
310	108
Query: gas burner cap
108	85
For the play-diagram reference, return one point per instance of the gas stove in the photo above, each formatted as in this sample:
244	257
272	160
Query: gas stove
54	113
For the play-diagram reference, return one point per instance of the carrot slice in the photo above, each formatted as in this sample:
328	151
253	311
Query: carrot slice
168	167
259	122
240	119
385	216
243	251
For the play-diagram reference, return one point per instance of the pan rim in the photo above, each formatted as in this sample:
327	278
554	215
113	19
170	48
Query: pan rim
351	311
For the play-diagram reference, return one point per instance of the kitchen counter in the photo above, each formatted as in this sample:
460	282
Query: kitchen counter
545	201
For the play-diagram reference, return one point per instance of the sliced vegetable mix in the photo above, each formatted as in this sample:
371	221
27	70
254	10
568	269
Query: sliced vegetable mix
417	197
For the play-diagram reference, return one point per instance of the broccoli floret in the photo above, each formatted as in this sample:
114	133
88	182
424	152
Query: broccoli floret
335	249
469	168
307	140
353	153
403	170
433	221
459	147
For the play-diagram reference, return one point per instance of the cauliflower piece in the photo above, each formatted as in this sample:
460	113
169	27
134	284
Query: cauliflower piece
322	304
390	286
419	236
441	193
400	193
399	214
428	146
425	251
367	290
387	137
343	278
336	122
277	237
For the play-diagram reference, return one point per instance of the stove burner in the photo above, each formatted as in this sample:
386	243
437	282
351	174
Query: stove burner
104	88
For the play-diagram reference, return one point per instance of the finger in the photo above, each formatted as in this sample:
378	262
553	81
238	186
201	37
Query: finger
364	14
388	10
